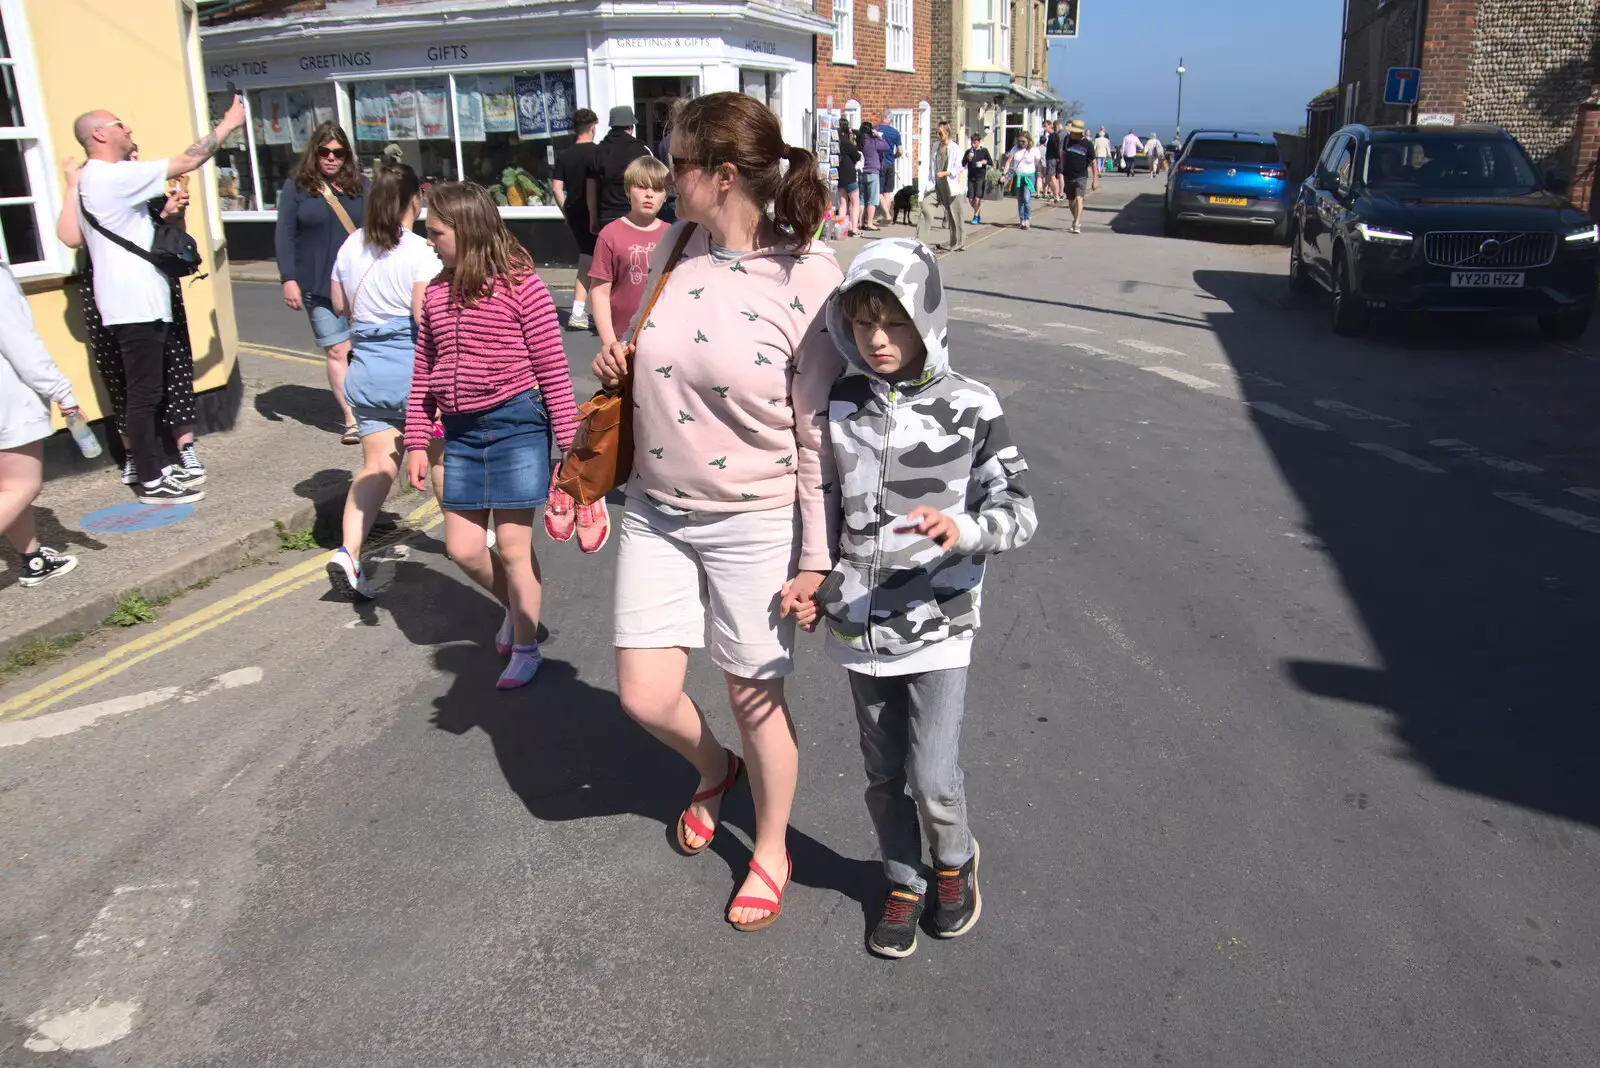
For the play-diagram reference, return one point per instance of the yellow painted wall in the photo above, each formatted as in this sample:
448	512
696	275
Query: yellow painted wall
141	60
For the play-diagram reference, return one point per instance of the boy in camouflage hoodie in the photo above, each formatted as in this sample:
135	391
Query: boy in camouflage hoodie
930	486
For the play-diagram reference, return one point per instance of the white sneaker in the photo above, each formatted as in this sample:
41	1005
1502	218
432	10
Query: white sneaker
489	536
578	322
344	575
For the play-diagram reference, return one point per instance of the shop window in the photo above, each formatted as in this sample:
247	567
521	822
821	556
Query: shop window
25	214
236	180
281	124
512	126
405	120
897	36
765	86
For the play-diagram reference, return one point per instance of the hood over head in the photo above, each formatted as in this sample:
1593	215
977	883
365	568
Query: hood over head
906	268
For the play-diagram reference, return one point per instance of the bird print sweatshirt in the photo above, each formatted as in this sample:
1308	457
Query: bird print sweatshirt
731	375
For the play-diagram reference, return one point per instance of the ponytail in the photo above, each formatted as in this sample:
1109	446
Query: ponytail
801	201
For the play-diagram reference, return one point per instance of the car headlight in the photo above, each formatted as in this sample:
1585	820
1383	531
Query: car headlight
1380	235
1589	235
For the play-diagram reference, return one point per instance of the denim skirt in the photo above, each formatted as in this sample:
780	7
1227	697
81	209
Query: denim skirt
499	458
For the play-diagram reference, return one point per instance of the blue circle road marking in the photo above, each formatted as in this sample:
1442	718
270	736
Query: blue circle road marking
127	518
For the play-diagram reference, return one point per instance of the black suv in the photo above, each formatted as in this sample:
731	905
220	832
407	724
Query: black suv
1441	219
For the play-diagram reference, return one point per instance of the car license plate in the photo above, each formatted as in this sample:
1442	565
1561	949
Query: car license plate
1486	279
1236	202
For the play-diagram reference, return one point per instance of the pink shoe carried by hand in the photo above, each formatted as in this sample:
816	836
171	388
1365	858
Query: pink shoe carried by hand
560	515
594	526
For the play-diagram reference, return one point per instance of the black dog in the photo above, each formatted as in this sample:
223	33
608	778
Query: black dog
902	203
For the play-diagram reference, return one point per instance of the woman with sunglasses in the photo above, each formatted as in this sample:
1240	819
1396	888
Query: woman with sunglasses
310	232
726	528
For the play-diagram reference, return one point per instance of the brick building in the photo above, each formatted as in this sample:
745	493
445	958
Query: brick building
877	64
1527	65
990	61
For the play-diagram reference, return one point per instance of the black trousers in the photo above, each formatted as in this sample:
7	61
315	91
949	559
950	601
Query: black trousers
144	347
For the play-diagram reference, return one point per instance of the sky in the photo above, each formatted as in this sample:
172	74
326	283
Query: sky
1251	64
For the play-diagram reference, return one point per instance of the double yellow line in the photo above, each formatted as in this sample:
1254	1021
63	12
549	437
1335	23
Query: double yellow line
255	348
164	638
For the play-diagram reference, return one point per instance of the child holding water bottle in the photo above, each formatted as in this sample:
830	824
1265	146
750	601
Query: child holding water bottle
29	382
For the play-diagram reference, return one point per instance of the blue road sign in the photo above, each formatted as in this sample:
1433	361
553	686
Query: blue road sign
126	518
1401	86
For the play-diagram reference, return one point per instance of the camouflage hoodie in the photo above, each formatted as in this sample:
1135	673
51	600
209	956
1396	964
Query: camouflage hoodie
896	603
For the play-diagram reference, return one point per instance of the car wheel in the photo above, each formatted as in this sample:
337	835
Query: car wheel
1299	280
1349	310
1568	326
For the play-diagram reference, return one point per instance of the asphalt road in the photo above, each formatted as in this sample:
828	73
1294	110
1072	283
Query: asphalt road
1281	747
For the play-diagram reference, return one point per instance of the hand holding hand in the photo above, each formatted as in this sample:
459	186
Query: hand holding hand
798	598
612	364
417	469
291	296
934	523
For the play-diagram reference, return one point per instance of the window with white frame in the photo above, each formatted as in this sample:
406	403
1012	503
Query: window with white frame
897	37
844	31
985	31
1003	57
26	218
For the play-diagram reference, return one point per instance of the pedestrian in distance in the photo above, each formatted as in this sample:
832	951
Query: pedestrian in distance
1058	191
888	165
319	207
570	186
873	150
1077	167
30	382
849	178
621	268
131	294
1050	143
1154	152
176	412
379	277
943	195
1131	148
976	161
728	513
1022	165
489	363
608	199
1102	157
901	605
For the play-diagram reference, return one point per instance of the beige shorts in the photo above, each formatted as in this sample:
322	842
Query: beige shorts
672	569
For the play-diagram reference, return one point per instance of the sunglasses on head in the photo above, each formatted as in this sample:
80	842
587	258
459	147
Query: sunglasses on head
331	153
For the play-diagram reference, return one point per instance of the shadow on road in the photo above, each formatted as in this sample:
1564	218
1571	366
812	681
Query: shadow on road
304	404
1484	618
569	751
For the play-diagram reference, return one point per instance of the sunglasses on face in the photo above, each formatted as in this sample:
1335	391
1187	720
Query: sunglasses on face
331	153
112	122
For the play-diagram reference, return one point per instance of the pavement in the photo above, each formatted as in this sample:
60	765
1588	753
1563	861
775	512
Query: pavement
1280	747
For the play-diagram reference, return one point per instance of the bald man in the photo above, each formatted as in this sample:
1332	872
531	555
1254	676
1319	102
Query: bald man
133	296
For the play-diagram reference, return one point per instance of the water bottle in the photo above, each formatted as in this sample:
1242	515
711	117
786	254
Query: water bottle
88	444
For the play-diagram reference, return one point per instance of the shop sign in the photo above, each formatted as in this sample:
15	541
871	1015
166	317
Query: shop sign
663	44
351	61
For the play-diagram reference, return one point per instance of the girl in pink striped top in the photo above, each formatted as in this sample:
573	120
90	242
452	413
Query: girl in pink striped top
491	368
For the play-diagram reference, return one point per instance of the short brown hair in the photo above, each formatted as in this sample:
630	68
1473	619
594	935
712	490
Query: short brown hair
646	172
584	120
870	302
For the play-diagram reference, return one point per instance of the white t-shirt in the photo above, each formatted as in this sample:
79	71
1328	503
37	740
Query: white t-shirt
127	289
1026	160
1131	146
1102	147
389	275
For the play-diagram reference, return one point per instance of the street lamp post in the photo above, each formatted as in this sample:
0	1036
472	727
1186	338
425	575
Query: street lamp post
1178	134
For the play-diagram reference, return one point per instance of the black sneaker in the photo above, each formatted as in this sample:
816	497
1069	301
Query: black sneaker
896	933
189	470
130	475
44	564
957	904
169	491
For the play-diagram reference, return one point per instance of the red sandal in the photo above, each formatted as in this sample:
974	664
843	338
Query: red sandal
688	819
775	907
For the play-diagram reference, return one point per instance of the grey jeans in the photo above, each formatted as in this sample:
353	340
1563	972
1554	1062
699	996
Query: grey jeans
910	741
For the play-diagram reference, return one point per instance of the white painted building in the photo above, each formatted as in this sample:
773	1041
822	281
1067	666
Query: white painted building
475	89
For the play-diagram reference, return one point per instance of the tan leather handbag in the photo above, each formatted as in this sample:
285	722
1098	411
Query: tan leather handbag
601	457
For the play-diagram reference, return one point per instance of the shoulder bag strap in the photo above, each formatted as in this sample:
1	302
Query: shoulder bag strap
361	283
338	209
115	238
661	283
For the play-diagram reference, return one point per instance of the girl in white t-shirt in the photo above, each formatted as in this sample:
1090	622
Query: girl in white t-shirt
379	276
1023	161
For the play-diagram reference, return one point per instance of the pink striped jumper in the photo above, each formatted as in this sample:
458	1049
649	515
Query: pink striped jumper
474	359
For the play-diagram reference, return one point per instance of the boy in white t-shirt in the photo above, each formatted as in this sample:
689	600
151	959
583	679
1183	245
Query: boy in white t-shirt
379	276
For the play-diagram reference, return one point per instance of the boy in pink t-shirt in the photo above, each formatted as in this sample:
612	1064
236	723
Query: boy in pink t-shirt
616	289
622	251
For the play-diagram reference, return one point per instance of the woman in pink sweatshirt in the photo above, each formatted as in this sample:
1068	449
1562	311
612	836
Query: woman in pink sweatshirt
729	505
490	365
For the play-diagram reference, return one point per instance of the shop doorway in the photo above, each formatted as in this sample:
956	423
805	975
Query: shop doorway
652	99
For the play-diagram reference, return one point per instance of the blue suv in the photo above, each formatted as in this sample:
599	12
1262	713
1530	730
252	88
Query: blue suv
1233	178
